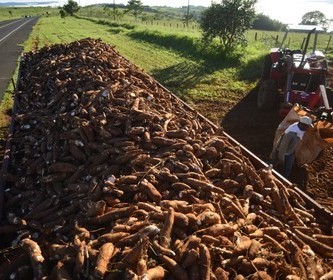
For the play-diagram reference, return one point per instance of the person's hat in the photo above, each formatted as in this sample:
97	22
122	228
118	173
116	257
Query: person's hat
306	120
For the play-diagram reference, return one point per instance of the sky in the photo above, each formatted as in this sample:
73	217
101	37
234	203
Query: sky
286	11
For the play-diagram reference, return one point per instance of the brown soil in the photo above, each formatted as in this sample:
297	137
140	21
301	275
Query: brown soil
255	130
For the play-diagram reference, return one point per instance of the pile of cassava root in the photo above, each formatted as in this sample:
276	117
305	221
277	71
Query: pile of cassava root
112	177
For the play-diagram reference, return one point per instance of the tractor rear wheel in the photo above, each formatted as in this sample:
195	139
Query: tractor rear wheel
266	72
267	95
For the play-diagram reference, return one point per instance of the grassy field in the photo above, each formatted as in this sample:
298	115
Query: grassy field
174	56
19	12
175	59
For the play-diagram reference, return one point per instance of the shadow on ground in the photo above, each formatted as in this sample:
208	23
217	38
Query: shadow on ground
3	141
253	128
188	47
180	77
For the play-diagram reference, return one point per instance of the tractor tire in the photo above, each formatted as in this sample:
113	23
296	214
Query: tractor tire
329	92
266	72
267	95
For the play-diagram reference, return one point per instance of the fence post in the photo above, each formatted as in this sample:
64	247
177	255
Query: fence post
277	39
256	36
328	43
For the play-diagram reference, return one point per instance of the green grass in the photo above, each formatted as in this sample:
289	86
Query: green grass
200	75
175	57
293	41
51	30
6	107
7	13
153	18
188	46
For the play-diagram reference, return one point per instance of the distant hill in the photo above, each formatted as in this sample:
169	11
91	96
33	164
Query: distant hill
33	3
166	11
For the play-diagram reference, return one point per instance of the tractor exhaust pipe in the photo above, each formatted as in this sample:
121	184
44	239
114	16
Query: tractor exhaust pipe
323	94
328	44
302	45
284	38
315	42
306	46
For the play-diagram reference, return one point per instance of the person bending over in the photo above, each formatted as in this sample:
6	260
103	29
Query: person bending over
284	153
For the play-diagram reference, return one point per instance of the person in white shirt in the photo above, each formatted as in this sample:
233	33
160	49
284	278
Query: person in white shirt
284	153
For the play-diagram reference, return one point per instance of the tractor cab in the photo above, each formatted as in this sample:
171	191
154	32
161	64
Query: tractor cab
295	76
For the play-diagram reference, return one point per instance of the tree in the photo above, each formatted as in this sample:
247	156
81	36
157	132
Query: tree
315	18
187	18
106	10
228	21
117	14
263	22
71	7
114	9
135	7
62	13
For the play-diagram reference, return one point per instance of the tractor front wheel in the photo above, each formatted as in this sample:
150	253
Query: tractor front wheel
267	95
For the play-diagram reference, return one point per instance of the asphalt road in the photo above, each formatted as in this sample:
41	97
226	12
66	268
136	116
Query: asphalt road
13	33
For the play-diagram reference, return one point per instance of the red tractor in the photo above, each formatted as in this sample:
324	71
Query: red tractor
298	76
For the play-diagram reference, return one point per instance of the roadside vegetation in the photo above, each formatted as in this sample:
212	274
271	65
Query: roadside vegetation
7	13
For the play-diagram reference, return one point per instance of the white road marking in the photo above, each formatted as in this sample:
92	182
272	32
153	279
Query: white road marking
5	37
10	23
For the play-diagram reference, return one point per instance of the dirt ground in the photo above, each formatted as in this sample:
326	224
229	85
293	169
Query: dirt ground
255	130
